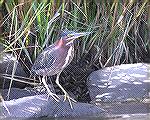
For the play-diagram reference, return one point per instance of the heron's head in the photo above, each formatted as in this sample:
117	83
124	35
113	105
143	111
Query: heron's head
69	36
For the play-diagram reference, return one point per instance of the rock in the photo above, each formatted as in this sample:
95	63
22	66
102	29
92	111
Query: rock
7	62
120	83
16	93
39	106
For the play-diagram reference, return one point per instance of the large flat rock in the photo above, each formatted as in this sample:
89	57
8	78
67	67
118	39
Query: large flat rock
120	83
32	106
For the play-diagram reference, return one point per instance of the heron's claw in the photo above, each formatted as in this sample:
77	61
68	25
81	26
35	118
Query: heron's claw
66	96
54	96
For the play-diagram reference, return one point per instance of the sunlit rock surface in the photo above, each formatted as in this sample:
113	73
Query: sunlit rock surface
120	83
32	106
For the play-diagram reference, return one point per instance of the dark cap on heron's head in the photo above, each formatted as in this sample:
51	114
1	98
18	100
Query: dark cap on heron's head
65	32
71	35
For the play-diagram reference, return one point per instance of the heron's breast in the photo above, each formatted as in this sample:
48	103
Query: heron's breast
64	57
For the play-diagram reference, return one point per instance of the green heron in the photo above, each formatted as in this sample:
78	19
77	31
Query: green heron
55	58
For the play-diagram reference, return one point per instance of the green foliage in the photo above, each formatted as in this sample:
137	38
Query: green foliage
119	29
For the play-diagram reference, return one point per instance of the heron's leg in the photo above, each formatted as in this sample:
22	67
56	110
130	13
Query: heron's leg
65	93
40	80
48	90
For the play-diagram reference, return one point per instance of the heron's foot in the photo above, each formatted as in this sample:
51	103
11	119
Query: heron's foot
54	96
66	96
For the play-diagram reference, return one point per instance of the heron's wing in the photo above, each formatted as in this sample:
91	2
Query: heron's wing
44	61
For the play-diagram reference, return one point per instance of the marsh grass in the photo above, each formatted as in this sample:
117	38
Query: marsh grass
120	34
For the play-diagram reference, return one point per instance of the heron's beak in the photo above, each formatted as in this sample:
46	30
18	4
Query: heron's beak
74	36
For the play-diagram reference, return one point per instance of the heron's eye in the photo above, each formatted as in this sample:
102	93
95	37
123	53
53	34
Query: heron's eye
70	35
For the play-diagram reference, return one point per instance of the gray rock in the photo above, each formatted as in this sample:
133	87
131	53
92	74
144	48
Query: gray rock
16	93
7	62
120	83
40	106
